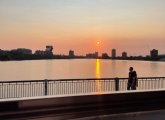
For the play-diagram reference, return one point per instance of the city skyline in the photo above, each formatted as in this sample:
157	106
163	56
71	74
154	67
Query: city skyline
71	53
134	26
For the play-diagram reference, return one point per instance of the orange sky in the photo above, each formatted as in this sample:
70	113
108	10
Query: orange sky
135	26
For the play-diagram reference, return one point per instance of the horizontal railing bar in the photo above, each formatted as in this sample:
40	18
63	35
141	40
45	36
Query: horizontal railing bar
21	81
24	81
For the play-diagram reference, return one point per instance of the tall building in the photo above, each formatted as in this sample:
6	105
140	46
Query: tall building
96	54
113	53
71	53
124	54
49	49
154	53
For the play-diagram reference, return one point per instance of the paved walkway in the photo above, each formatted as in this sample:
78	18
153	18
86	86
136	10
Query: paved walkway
151	115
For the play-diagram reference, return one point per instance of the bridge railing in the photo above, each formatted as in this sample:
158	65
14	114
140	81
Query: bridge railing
30	88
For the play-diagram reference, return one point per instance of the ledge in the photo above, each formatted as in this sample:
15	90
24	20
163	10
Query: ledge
91	104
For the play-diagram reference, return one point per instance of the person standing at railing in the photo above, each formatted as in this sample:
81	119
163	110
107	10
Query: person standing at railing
132	80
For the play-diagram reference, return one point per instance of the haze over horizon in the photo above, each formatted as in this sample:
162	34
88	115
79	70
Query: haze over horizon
135	26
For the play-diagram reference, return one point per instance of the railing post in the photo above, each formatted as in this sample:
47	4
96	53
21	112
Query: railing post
46	87
117	84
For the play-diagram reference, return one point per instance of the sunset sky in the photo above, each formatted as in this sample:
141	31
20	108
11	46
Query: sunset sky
135	26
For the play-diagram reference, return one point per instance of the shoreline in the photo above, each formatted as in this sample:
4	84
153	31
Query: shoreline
83	58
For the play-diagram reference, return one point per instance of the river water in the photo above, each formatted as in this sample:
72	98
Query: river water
77	68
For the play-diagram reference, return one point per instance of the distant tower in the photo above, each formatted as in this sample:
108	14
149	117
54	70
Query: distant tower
96	54
113	53
71	53
124	54
154	53
49	49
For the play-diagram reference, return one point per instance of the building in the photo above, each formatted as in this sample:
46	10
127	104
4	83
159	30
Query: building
124	54
22	51
96	54
105	55
39	52
71	53
92	55
49	49
154	53
113	53
1	52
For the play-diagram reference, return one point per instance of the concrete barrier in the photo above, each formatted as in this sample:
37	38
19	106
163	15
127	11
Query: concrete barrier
107	103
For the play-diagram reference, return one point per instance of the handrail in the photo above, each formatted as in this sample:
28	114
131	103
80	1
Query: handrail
79	79
29	88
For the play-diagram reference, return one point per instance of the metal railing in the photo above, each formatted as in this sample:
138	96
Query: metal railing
17	89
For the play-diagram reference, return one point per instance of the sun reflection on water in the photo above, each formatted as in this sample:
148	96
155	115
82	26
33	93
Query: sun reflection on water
98	82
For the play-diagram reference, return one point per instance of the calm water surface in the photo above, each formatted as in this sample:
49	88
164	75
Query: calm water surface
77	68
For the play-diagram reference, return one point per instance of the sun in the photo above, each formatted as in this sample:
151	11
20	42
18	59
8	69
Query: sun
98	43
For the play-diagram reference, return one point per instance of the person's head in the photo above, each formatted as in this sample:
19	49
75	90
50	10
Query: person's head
131	69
